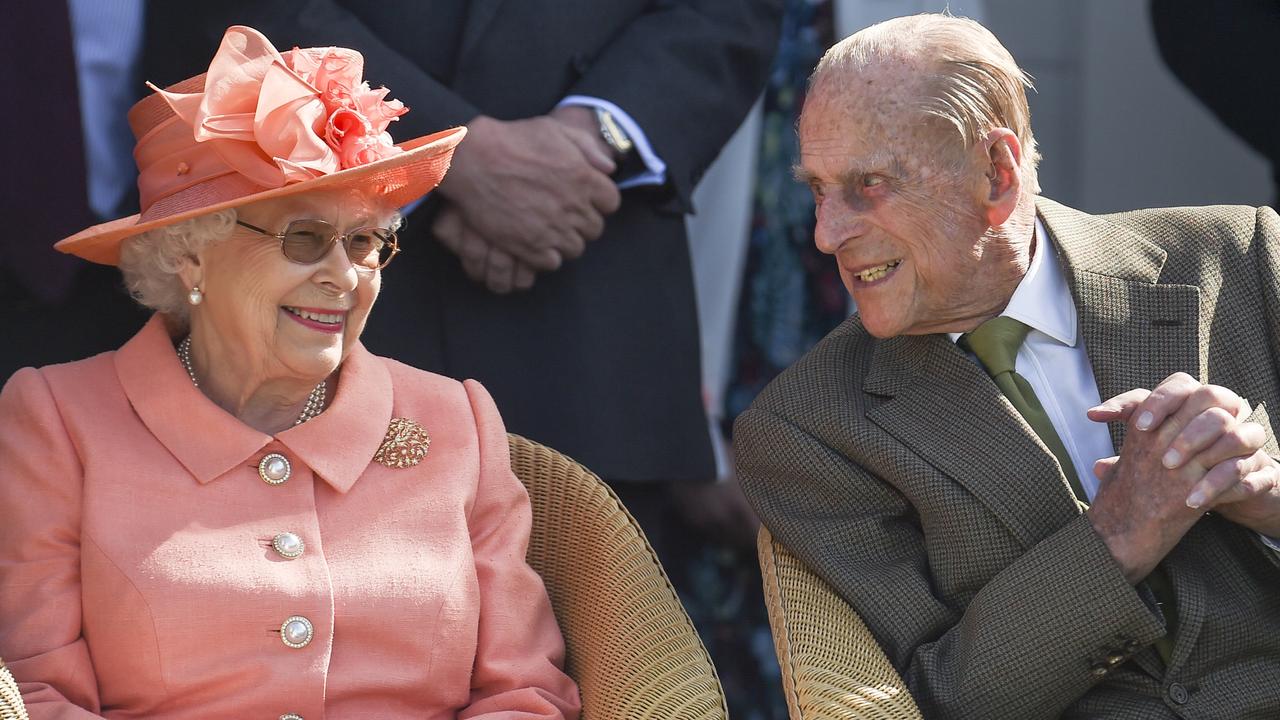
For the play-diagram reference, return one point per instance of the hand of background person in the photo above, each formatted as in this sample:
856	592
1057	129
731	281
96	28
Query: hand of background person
484	263
537	189
717	510
1188	450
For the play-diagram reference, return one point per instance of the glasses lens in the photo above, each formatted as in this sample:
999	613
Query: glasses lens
306	241
370	247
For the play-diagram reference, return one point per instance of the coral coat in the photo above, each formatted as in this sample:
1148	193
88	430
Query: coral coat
138	579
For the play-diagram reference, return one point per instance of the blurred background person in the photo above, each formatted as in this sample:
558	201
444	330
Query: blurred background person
88	50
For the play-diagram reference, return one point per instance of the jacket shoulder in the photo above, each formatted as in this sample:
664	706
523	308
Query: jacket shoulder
1210	228
826	379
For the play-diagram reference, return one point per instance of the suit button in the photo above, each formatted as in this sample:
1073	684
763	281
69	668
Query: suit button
296	631
1178	695
288	545
1114	660
1098	670
274	469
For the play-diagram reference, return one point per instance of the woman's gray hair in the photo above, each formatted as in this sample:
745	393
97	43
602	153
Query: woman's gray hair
150	261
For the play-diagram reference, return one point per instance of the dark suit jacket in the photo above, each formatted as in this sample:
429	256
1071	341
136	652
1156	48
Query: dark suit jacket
600	359
901	475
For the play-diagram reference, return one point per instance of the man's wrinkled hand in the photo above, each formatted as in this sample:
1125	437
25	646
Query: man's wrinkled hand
536	189
1188	444
494	268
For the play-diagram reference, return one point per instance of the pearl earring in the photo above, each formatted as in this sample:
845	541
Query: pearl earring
195	297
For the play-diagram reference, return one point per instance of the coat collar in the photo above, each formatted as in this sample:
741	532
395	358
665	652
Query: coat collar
1136	332
209	442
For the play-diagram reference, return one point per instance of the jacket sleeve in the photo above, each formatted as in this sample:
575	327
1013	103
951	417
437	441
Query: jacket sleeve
40	500
181	39
1028	644
519	651
687	72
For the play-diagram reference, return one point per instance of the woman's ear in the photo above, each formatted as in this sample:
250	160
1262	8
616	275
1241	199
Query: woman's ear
191	273
1003	158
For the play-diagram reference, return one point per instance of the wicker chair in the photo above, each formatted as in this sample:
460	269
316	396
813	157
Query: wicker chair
832	667
631	646
10	699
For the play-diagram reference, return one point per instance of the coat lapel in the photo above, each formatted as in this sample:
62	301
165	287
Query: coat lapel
927	378
481	13
1135	332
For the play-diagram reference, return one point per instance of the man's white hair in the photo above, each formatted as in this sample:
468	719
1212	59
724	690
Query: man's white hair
970	82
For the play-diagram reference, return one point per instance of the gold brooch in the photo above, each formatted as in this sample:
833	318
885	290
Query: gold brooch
404	446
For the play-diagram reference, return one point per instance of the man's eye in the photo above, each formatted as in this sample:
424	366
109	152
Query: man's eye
872	181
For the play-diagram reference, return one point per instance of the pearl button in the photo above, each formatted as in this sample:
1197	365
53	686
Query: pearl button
288	545
274	469
296	631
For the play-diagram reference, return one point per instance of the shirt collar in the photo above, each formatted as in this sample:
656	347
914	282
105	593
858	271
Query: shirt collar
208	441
1042	299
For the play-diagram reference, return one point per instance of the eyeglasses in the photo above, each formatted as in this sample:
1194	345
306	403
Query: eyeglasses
308	241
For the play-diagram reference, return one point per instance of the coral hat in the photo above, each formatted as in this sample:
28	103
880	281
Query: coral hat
261	125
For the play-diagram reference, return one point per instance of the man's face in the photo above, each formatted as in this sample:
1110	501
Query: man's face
901	214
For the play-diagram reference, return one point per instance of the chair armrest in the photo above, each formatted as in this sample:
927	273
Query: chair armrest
11	706
832	667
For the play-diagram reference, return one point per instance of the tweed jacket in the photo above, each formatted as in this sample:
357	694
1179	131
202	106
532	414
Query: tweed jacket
899	473
138	577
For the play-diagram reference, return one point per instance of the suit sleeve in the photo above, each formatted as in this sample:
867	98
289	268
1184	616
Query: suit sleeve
181	39
40	497
519	651
1029	642
687	72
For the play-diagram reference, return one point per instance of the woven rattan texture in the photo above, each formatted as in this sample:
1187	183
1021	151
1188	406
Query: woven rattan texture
832	668
631	646
11	707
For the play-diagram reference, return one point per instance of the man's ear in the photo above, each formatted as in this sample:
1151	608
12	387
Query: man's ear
1002	157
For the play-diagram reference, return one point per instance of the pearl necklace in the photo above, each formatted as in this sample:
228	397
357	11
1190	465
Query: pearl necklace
315	401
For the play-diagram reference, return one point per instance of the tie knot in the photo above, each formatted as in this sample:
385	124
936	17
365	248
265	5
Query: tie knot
996	343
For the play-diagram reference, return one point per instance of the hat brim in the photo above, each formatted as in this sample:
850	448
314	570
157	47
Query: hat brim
400	179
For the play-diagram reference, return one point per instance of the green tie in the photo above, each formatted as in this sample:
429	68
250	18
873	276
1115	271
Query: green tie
995	343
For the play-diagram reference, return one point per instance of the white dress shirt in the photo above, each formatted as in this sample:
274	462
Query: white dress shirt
1054	363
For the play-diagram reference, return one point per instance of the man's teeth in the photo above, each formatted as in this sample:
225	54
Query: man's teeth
318	317
872	274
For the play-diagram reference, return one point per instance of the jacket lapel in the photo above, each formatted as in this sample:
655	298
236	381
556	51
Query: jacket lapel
927	378
1135	332
481	13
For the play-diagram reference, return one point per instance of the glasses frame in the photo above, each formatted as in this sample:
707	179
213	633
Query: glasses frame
335	239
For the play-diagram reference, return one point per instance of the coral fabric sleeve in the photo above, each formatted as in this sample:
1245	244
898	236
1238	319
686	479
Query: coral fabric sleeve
40	501
519	650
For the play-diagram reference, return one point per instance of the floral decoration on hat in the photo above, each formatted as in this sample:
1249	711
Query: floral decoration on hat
284	118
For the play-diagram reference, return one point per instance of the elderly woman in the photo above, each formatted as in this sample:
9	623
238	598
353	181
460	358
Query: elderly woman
242	512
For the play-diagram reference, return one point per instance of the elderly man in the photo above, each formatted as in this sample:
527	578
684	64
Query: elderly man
947	458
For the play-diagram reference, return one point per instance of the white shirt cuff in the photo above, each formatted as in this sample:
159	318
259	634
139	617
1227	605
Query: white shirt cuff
1273	543
656	172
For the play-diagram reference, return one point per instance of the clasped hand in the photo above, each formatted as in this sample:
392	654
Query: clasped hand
1189	450
524	196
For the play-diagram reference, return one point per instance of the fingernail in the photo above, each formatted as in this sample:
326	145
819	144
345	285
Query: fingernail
1171	458
1195	500
1145	420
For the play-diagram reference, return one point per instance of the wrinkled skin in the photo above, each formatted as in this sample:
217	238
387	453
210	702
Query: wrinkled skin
890	184
252	357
